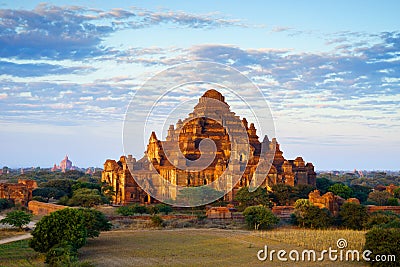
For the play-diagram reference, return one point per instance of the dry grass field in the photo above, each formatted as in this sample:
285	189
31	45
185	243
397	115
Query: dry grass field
5	233
210	247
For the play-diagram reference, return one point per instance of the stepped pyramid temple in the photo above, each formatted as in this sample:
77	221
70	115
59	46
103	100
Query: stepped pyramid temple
207	121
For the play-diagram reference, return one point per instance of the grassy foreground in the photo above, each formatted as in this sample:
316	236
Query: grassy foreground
19	254
210	247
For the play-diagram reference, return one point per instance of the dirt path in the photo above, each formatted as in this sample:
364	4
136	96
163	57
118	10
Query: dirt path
15	238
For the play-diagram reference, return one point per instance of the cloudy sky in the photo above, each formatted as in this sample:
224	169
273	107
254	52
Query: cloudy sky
330	71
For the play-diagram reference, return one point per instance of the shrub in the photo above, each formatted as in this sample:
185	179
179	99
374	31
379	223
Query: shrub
353	216
61	227
140	209
132	210
164	208
383	242
259	217
62	255
126	210
152	210
157	221
60	234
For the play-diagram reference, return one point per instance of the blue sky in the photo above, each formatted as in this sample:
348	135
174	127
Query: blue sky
330	71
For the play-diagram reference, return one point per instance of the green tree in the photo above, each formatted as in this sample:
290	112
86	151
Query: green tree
396	193
17	218
164	208
341	190
392	201
379	197
382	219
78	185
323	184
108	191
310	216
64	185
86	197
259	217
382	241
73	174
353	216
301	191
5	204
281	194
47	193
361	192
258	197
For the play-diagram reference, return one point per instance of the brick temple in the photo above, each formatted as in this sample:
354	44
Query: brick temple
209	120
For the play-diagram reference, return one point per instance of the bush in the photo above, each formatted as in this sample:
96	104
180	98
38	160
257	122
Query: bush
353	216
164	208
259	217
157	221
126	210
383	242
152	210
65	231
132	210
60	227
62	255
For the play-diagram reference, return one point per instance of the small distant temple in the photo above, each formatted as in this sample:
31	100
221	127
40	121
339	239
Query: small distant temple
201	124
65	165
